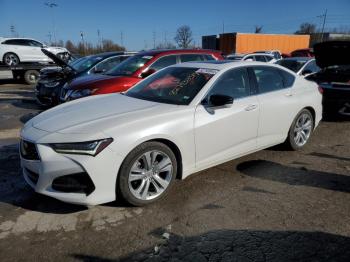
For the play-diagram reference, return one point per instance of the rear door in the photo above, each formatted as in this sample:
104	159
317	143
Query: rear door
277	104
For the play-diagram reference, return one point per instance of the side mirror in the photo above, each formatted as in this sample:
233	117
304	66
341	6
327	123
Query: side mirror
148	72
44	46
306	72
220	100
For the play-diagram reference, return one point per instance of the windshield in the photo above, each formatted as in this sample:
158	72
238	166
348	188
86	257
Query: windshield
173	85
294	65
235	58
129	66
85	63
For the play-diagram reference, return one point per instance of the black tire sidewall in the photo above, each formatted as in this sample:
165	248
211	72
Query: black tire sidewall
122	187
290	140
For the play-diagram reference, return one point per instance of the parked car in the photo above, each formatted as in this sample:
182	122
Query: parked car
132	71
52	79
276	53
300	65
178	121
334	78
261	57
306	52
16	50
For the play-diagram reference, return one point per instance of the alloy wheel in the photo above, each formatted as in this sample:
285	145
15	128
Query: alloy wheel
150	175
11	59
302	129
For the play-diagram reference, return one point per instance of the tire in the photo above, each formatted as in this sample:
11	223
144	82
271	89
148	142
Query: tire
136	175
31	77
11	59
300	130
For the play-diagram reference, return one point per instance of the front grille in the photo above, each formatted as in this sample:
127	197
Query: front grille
75	183
34	177
28	150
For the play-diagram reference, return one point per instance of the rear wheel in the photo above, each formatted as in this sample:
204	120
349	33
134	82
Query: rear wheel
300	130
147	173
10	59
31	77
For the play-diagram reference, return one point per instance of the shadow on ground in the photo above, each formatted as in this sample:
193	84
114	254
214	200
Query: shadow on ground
243	246
295	176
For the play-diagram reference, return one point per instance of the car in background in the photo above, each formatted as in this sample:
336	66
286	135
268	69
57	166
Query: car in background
52	79
300	65
178	121
334	78
17	50
276	53
305	52
261	57
132	71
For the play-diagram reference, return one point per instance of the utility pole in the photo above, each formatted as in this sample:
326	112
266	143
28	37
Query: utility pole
49	35
51	5
99	38
121	38
82	40
13	30
323	24
154	39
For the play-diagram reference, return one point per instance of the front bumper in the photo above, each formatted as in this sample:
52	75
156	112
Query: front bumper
102	170
47	96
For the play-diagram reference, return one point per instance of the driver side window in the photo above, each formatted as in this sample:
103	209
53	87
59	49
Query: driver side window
234	83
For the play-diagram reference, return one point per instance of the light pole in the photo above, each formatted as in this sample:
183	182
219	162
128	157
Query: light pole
51	5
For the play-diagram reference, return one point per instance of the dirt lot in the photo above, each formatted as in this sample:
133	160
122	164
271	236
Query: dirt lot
273	205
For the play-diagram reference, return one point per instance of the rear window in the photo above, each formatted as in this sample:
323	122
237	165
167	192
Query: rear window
294	65
191	58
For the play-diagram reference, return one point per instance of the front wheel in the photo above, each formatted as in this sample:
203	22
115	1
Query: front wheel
147	173
300	130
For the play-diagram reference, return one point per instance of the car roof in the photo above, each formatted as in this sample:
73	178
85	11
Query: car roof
177	51
299	58
17	38
223	64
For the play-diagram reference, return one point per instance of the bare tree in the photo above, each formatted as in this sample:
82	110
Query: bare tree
258	29
183	36
306	28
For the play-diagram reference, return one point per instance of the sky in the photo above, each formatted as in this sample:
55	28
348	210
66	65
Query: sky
137	24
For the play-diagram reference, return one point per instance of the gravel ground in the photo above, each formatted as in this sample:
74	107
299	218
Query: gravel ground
273	205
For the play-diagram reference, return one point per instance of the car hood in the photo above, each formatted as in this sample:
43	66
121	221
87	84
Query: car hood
99	81
58	61
91	110
332	53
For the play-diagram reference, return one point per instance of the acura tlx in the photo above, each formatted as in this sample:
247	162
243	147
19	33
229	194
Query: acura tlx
180	120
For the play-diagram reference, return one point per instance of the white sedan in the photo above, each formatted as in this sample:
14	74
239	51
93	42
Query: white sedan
183	119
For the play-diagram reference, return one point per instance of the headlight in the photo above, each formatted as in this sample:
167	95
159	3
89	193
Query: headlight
82	148
81	93
51	84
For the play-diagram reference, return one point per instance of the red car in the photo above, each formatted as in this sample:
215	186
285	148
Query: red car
132	71
306	52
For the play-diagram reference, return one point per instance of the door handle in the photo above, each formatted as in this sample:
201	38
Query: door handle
251	107
288	94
